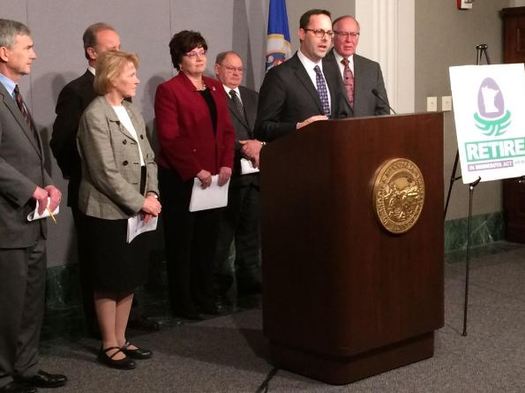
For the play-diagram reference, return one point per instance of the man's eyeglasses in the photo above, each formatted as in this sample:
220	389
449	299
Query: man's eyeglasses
320	33
195	53
231	68
347	34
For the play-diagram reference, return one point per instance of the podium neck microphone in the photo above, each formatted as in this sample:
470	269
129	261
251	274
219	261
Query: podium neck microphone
383	100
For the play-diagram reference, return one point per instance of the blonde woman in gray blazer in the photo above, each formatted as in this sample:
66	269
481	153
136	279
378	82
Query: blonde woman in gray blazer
119	180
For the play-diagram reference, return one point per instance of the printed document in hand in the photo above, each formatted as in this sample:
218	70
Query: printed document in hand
137	225
247	167
210	198
46	213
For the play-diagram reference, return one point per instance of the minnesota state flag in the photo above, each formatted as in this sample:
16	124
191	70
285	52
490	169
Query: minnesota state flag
278	48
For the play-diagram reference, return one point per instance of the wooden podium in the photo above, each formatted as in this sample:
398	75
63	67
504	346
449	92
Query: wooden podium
344	298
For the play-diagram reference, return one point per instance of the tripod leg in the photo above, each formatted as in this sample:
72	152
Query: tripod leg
452	180
467	257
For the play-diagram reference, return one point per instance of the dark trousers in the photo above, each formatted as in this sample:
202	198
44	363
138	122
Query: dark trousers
86	285
190	245
22	303
239	224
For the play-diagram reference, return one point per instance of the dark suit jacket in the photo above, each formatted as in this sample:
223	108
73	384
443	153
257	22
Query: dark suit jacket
185	130
367	76
72	101
244	127
21	171
288	96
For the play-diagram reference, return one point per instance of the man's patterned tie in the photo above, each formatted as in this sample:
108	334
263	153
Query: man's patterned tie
348	80
322	90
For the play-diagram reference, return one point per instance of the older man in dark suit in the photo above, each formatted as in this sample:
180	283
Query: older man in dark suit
24	184
361	78
240	219
301	90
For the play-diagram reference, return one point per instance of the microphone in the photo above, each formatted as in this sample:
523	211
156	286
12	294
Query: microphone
383	100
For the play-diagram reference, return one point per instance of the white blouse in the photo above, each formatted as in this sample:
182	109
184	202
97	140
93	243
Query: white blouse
125	120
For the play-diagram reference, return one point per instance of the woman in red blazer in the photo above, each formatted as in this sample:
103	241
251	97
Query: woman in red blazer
196	140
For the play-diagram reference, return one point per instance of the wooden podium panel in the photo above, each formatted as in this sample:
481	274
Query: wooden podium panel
343	298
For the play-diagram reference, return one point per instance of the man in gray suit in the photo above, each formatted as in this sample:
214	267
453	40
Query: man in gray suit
24	184
240	219
360	77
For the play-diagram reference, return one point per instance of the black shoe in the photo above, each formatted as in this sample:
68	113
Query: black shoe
44	380
137	353
121	364
17	387
144	323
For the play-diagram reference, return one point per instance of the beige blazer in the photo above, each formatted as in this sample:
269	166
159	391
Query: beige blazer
110	183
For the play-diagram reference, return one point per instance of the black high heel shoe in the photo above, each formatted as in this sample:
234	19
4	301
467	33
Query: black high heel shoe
137	353
121	364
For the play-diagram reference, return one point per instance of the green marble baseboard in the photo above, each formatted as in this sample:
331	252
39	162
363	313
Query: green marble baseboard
63	302
485	229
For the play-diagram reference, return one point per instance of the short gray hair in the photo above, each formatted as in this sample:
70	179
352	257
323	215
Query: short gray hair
9	29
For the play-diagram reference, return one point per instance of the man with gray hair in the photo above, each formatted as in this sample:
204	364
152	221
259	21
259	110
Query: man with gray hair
240	219
25	186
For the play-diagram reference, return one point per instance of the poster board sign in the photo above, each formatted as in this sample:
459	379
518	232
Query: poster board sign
489	113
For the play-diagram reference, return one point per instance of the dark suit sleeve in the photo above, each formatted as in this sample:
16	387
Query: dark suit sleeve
63	140
381	107
228	132
272	105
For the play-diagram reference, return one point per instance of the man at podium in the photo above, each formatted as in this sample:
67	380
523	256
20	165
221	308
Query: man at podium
302	90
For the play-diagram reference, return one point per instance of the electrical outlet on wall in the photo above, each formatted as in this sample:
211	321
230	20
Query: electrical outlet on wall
464	4
446	103
432	104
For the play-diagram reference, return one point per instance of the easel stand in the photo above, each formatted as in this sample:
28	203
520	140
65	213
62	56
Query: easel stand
481	50
467	257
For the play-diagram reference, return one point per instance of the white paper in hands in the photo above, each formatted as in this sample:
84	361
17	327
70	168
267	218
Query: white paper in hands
137	225
210	198
46	213
247	167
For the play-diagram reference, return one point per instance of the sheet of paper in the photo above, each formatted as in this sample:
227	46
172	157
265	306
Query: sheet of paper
46	213
137	225
210	198
247	167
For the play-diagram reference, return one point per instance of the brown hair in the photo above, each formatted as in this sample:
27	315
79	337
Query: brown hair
305	18
183	42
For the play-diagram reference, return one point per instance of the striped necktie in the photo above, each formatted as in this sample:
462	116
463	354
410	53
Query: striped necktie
238	104
23	108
